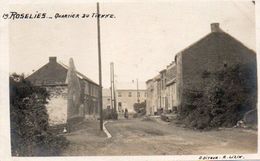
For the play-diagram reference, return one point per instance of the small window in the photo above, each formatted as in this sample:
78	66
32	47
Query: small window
130	94
138	94
225	65
119	94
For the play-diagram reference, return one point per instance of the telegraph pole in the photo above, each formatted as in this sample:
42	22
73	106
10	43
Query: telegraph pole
114	90
100	70
111	86
138	100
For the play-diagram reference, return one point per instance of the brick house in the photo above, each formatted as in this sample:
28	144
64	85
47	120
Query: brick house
53	76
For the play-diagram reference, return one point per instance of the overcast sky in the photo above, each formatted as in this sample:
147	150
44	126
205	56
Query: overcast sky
141	40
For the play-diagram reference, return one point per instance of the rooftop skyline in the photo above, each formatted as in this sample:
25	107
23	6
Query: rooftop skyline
141	41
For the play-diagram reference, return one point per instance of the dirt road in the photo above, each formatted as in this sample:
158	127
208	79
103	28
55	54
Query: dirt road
139	137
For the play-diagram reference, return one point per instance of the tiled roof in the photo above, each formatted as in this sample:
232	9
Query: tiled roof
53	73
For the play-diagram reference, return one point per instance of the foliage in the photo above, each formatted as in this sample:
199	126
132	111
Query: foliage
109	114
30	135
226	97
140	109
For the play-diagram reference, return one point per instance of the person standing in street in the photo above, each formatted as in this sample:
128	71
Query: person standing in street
126	113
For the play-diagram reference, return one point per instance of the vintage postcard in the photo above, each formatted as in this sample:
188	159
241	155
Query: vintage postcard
149	80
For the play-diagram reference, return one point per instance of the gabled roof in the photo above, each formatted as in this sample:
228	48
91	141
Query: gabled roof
80	75
53	73
214	35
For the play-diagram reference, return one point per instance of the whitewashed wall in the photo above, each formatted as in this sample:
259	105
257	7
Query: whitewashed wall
57	106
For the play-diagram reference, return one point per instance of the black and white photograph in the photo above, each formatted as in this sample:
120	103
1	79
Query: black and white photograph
147	78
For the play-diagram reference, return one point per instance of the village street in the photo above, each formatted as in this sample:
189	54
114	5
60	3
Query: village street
155	137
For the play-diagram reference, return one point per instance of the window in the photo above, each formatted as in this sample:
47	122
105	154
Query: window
119	94
138	94
130	94
225	65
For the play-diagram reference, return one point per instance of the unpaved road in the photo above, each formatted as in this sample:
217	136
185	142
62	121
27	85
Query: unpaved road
138	137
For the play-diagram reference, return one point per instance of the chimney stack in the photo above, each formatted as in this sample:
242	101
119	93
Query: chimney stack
52	59
215	27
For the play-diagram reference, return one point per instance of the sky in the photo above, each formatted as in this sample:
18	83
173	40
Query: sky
141	40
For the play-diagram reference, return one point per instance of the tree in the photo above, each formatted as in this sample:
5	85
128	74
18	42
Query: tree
30	135
140	109
226	97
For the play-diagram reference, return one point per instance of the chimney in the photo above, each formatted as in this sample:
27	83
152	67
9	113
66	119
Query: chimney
215	27
52	59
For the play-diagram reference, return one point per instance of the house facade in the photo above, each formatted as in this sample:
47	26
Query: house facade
214	52
171	87
126	98
106	98
54	77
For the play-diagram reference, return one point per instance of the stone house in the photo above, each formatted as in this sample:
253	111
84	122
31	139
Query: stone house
215	51
127	95
126	98
171	93
163	102
150	106
155	94
53	76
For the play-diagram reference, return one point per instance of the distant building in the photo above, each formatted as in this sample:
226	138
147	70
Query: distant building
126	98
52	76
214	52
106	98
163	101
171	88
127	95
150	105
153	101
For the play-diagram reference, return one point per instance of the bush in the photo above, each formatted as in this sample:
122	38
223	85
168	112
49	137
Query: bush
30	134
109	114
140	109
228	95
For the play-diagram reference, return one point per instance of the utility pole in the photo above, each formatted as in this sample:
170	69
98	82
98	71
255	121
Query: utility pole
114	90
138	100
100	70
111	86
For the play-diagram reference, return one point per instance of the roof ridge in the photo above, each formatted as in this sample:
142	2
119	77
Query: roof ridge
78	73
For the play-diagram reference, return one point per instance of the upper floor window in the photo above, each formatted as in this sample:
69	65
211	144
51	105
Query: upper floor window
130	94
119	94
